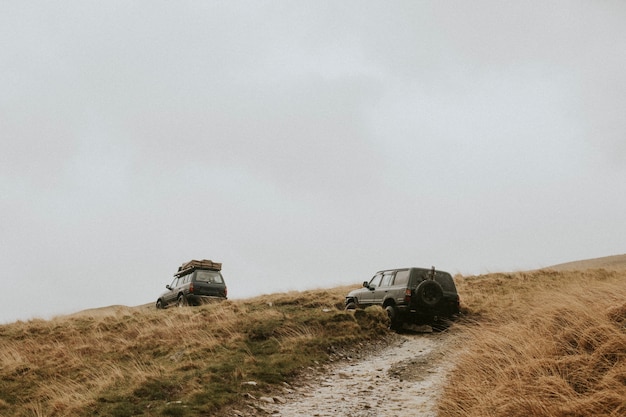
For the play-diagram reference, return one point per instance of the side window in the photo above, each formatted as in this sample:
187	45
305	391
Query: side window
402	277
387	278
375	282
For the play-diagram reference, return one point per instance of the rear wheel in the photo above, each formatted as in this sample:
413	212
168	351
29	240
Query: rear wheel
440	325
182	301
394	320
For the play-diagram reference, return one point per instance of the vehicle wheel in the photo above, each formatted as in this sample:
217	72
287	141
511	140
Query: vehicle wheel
159	304
351	306
394	321
429	293
440	325
182	301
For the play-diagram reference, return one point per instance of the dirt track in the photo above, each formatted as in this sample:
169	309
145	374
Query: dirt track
405	376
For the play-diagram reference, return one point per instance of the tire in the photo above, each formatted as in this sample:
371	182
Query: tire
351	306
394	320
440	325
159	304
182	301
429	293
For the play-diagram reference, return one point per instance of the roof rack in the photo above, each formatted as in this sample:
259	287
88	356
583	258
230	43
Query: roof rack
194	264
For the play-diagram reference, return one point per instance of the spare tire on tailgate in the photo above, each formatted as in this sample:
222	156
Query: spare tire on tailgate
429	293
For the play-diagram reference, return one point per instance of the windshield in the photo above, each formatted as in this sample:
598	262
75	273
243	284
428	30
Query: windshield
212	277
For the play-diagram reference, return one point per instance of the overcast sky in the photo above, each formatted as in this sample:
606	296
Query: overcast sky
303	144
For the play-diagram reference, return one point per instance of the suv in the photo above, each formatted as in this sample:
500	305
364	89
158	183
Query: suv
196	282
413	295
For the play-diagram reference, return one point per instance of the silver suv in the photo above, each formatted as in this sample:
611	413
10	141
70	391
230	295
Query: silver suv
411	295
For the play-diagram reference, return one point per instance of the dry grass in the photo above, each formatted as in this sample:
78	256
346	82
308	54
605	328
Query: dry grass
541	343
544	343
191	361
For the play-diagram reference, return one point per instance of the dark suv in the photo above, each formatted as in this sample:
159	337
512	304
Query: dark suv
411	295
196	282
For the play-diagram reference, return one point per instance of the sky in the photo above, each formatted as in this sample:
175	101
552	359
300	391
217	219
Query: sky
303	144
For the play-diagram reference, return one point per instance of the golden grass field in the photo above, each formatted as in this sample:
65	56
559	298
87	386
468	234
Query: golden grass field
539	343
542	343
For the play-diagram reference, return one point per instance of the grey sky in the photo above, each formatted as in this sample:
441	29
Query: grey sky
302	144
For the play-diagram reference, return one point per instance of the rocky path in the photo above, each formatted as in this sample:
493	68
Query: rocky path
404	377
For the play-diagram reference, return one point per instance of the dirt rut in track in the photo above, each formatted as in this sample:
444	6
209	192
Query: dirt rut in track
405	377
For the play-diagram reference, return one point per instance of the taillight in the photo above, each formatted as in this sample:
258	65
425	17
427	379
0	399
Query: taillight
225	291
191	288
407	296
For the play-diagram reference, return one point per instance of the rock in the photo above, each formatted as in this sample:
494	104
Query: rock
265	410
176	357
268	400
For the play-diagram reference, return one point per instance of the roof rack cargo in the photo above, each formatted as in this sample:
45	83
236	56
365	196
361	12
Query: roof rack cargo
192	265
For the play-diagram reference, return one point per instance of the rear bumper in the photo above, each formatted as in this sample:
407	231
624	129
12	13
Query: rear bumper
197	300
419	315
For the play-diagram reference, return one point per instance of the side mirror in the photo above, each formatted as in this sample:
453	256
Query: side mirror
168	287
365	284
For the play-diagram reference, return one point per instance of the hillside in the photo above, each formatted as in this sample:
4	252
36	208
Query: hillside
612	263
123	361
543	343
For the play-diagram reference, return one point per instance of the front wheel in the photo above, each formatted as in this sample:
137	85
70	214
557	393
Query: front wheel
351	306
159	304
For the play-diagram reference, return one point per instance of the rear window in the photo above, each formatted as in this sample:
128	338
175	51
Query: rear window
211	277
443	278
446	281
